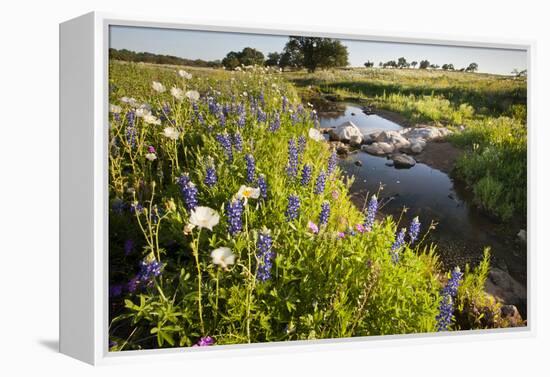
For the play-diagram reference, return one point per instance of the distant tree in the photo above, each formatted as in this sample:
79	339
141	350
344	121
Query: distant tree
248	56
380	64
472	67
390	64
518	73
314	53
231	60
434	66
424	64
402	63
147	57
448	67
251	56
369	64
273	59
414	63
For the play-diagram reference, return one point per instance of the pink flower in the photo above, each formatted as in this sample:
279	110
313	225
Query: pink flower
360	228
341	234
151	149
335	194
312	227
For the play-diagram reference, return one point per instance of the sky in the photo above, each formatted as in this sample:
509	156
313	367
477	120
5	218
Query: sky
208	45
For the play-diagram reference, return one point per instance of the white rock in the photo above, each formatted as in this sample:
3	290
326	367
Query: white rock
386	147
355	140
374	149
345	132
416	148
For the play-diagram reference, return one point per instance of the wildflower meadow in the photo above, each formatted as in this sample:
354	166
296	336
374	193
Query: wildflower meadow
230	222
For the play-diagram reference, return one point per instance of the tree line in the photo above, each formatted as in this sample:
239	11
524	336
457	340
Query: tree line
423	64
147	57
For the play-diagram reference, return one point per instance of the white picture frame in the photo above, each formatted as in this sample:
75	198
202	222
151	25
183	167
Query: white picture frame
84	43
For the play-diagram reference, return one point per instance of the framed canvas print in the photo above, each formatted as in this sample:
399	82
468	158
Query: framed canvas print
234	189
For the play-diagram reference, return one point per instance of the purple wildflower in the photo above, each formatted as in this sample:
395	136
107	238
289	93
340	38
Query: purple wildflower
293	207
372	208
306	175
205	341
250	168
225	143
265	256
235	210
446	306
115	290
261	116
325	213
301	146
332	160
320	183
397	244
292	166
414	229
211	178
262	185
238	142
275	123
189	192
313	228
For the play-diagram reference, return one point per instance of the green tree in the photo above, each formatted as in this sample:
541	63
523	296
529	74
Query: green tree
424	64
369	64
313	53
414	63
402	62
472	67
448	67
273	59
248	56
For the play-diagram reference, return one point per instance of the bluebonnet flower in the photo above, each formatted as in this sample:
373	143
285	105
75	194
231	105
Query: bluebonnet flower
210	178
250	168
399	241
221	118
133	284
300	109
226	109
446	306
136	208
285	103
294	118
241	121
189	192
414	229
301	145
205	341
262	185
292	166
238	142
325	213
265	256
235	210
131	132
320	183
332	160
275	123
117	205
372	208
148	269
225	143
262	99
293	207
128	246
261	116
131	118
306	175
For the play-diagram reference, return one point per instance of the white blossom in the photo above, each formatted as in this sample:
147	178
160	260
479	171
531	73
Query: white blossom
193	95
315	134
177	93
171	133
151	119
223	256
247	192
151	156
184	75
158	87
204	217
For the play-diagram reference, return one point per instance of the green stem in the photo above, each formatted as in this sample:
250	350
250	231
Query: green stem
199	276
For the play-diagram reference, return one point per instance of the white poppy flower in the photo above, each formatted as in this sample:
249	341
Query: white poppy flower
248	192
151	156
141	112
315	134
204	217
193	95
171	133
177	93
115	109
130	101
185	75
223	257
158	87
151	119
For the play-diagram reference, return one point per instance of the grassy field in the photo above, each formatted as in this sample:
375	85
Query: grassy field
488	113
216	239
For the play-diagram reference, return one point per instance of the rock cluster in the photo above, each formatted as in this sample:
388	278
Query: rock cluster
397	145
